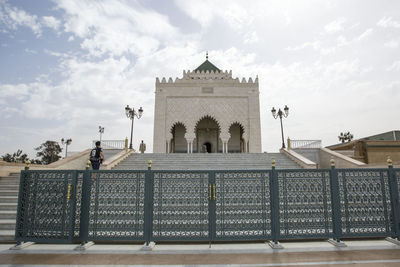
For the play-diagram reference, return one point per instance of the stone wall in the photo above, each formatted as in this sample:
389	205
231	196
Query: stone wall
198	95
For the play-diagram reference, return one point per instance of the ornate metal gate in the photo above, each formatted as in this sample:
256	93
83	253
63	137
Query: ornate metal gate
241	204
46	206
65	206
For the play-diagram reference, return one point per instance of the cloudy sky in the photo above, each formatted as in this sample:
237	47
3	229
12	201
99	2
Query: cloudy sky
68	66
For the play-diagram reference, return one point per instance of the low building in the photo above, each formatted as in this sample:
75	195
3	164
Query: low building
372	149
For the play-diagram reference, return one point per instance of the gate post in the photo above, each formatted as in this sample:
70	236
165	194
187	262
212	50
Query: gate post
85	206
335	200
148	205
394	199
274	196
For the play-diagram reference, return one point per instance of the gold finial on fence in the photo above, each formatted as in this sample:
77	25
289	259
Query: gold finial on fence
149	162
88	163
273	162
27	163
389	161
332	162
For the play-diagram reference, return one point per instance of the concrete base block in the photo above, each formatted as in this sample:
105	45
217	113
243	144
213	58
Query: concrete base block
392	240
150	247
22	245
85	246
337	244
274	245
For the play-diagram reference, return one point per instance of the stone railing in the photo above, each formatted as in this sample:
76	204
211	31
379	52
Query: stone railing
293	144
112	144
304	162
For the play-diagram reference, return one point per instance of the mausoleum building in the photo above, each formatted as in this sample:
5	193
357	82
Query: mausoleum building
207	110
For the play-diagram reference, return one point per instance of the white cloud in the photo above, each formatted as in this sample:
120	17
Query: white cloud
316	45
12	17
51	22
30	51
388	22
335	26
251	38
10	90
365	34
342	41
117	27
394	67
391	44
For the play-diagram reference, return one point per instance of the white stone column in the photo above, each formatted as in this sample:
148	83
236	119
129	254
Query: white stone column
244	145
168	146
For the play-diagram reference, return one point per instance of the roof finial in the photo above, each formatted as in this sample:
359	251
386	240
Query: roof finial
207	55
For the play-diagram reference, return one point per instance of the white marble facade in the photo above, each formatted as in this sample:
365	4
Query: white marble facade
207	111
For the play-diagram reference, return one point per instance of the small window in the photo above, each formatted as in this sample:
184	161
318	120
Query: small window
207	90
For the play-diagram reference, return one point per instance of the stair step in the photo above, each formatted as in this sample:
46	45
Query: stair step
8	199
8	192
196	161
8	214
7	236
7	224
8	206
9	187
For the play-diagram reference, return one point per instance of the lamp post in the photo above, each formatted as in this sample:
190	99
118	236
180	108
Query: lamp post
66	143
101	131
280	114
131	114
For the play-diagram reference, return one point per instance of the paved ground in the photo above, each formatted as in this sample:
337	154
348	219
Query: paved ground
357	253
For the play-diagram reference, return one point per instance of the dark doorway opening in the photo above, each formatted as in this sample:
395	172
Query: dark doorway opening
207	147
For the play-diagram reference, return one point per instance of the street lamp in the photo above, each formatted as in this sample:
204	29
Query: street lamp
131	114
101	131
66	143
280	114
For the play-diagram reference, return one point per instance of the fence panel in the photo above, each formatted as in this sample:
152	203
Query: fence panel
46	206
242	205
305	208
365	202
181	205
78	201
116	209
397	171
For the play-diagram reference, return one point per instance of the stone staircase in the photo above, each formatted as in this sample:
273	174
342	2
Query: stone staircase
8	206
197	161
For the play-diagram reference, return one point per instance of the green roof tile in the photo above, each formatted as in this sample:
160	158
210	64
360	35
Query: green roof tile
207	65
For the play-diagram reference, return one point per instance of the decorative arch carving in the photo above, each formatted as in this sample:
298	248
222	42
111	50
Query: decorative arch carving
210	118
176	124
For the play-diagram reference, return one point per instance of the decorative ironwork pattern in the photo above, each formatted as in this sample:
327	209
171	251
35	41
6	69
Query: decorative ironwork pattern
304	204
78	201
365	202
45	206
116	205
243	205
397	171
180	206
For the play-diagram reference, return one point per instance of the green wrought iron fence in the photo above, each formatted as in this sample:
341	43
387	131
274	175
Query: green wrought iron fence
223	205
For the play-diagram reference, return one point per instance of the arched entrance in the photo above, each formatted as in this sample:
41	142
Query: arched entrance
207	134
236	143
178	142
207	147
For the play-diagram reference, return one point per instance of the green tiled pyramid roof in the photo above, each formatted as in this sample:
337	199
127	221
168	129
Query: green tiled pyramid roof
207	65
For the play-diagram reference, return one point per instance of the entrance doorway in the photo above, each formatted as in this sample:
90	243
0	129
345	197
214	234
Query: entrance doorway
207	147
207	136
